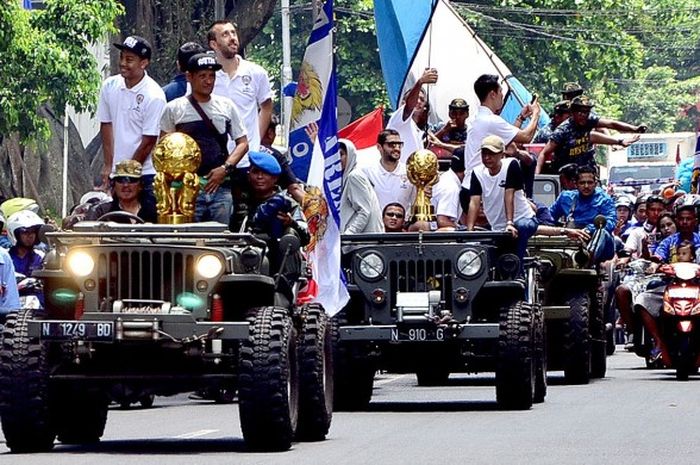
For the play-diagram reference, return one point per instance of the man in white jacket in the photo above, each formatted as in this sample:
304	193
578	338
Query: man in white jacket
359	206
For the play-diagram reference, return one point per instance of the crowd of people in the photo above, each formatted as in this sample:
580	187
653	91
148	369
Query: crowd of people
224	102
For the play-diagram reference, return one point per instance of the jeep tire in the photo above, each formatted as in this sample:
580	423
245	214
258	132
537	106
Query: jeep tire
353	374
81	415
540	355
24	388
598	335
577	340
268	381
515	373
315	374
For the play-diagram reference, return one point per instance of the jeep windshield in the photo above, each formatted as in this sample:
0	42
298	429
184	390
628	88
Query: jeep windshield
653	175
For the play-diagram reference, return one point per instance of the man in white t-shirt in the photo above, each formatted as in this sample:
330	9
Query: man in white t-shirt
388	174
488	122
405	118
244	82
445	197
498	182
129	111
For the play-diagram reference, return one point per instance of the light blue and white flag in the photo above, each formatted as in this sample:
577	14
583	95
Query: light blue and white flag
315	100
415	35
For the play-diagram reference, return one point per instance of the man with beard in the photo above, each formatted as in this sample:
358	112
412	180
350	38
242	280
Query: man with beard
388	174
129	111
244	82
210	120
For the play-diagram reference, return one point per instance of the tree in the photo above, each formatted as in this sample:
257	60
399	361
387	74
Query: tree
45	58
636	58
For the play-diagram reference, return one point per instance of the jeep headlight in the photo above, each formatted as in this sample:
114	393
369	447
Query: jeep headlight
80	263
371	266
469	263
209	266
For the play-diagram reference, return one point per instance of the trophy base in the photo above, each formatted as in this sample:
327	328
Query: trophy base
175	218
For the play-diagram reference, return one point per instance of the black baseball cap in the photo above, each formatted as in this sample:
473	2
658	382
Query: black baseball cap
202	61
187	51
137	45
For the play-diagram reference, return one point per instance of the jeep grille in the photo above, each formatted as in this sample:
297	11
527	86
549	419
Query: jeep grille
147	274
421	276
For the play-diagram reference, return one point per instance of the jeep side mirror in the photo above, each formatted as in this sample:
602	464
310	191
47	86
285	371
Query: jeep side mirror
600	222
289	243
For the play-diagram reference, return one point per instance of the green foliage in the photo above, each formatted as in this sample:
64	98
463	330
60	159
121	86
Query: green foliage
360	78
636	58
45	58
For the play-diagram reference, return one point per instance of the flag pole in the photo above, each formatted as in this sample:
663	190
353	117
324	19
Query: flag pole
286	72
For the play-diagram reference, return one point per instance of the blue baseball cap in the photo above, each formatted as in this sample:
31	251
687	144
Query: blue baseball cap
265	162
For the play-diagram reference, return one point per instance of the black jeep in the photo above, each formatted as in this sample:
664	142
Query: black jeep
436	303
163	309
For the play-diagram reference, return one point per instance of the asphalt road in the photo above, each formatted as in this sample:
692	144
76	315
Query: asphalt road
634	416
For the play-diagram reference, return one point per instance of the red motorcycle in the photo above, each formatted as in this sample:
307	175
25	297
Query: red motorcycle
680	317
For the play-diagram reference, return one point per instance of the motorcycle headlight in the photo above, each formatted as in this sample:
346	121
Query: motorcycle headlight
469	263
371	266
209	266
80	263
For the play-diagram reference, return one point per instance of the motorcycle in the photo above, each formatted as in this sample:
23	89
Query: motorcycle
31	292
680	317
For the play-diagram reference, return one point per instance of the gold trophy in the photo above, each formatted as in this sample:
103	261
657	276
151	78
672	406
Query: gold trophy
176	185
422	170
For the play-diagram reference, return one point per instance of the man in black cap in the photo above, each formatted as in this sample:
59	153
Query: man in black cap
454	133
572	141
209	119
571	90
178	86
129	111
445	197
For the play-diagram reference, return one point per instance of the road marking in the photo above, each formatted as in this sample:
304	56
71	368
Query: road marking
196	434
390	379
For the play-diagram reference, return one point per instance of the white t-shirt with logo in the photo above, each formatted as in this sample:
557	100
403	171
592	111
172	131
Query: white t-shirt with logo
485	124
134	113
390	186
492	190
446	195
248	89
411	135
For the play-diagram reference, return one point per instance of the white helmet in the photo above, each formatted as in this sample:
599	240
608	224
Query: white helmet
23	219
94	197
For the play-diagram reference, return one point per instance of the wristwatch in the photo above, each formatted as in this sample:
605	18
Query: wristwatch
229	167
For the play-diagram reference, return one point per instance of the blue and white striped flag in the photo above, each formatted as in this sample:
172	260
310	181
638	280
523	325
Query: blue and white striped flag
315	100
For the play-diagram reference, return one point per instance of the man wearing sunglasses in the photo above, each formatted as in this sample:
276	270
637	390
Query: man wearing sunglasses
573	141
388	174
127	195
394	217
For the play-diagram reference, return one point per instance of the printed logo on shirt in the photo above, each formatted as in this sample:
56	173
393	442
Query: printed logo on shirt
502	183
139	100
405	184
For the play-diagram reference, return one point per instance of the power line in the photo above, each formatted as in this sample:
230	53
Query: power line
577	12
528	28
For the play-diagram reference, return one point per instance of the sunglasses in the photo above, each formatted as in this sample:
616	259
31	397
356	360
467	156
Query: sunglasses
394	144
125	180
394	215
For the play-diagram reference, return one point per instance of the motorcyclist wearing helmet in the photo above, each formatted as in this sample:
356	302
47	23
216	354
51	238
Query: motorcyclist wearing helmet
645	234
641	241
650	302
23	231
623	208
640	211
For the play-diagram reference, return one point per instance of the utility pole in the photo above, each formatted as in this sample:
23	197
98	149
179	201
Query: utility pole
286	70
219	9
